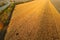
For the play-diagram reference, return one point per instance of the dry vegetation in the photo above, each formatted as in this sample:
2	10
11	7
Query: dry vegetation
2	3
37	20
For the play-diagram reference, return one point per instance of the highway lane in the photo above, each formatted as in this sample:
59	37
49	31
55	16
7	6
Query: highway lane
33	21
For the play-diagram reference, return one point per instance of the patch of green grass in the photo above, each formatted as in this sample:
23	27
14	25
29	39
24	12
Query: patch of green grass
5	19
6	15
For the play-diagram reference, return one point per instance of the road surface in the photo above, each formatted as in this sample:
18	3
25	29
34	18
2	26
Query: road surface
35	20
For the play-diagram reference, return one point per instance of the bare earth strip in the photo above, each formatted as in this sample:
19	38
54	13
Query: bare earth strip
34	21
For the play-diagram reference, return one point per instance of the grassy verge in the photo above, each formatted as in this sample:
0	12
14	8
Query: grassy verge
1	12
5	19
5	16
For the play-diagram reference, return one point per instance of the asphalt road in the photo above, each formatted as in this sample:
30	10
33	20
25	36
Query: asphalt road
35	20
